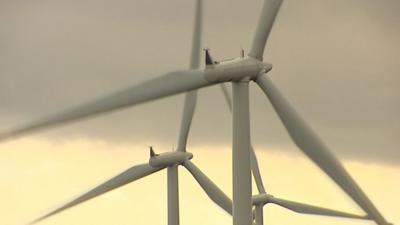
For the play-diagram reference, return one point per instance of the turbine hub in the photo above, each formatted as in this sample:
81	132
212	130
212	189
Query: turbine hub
267	66
261	199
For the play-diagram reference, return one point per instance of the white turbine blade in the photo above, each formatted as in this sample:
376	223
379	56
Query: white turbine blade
253	158
314	210
227	96
308	141
216	194
269	12
187	117
169	84
191	97
197	34
256	170
128	176
259	217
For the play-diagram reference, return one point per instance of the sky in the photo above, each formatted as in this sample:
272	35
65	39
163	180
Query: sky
336	61
39	175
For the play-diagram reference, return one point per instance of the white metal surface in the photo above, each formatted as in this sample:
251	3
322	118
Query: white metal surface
263	199
191	97
253	158
269	12
235	70
169	158
259	215
242	203
173	195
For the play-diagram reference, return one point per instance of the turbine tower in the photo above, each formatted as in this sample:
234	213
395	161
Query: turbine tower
240	72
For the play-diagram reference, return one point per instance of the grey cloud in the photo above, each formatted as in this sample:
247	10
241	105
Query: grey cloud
337	61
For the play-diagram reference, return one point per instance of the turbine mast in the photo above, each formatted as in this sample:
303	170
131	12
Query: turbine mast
242	196
173	195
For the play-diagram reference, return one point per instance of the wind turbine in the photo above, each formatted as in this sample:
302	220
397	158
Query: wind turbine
239	72
172	160
168	160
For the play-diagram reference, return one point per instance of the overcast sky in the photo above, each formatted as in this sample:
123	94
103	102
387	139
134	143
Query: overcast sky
336	60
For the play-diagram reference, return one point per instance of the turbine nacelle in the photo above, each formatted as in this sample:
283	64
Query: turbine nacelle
168	158
236	70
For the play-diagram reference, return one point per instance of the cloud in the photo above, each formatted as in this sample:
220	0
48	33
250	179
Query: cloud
337	61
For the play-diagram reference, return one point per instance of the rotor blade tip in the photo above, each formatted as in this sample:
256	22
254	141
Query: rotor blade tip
37	220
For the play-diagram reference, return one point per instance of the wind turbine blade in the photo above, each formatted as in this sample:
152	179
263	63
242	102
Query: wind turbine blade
259	217
128	176
314	210
308	141
169	84
227	96
256	170
187	117
253	158
197	34
191	97
216	194
269	12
